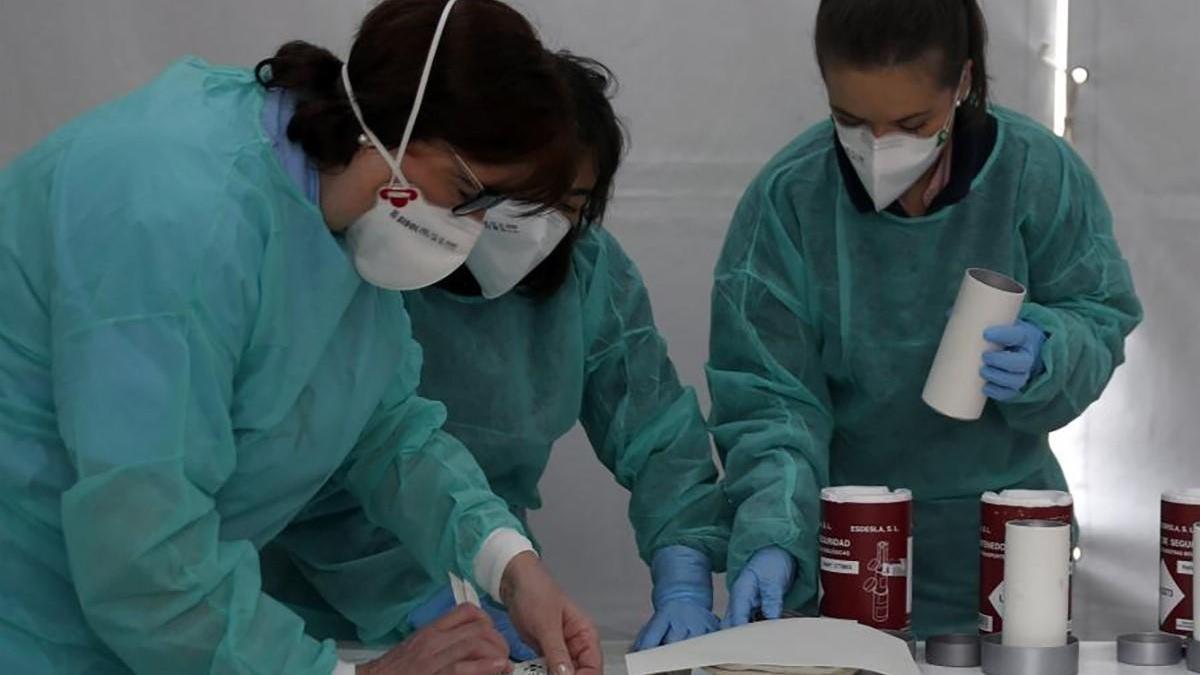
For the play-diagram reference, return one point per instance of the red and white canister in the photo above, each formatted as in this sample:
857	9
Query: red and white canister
1180	512
866	556
997	510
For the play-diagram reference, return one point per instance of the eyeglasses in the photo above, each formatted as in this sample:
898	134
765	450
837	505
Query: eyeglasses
484	199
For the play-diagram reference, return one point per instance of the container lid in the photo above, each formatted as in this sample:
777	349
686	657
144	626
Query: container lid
861	494
1029	498
1193	656
959	650
1001	659
1189	496
1149	649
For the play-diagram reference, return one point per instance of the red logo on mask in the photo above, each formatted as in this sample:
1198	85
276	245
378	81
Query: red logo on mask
399	197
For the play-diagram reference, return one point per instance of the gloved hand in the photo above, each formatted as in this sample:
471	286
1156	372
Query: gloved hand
1009	370
443	602
683	598
761	585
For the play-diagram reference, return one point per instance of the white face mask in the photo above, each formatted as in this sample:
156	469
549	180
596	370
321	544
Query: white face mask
890	164
512	244
404	242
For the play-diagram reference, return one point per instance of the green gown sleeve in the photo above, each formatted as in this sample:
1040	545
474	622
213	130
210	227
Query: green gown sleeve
771	416
1080	293
144	365
644	425
422	484
365	577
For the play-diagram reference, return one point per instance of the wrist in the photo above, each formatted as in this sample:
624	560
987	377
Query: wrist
494	556
701	597
517	569
782	555
681	574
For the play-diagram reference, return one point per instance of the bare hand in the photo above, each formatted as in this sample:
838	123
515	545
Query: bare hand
547	619
463	642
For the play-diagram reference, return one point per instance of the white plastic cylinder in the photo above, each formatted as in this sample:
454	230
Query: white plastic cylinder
1036	583
985	299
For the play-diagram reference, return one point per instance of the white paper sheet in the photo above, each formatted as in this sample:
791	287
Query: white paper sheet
786	642
777	670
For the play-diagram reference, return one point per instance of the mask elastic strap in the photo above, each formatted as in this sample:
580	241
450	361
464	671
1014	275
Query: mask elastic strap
394	162
387	156
944	134
959	97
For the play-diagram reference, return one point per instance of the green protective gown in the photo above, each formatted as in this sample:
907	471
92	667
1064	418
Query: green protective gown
825	321
516	374
187	360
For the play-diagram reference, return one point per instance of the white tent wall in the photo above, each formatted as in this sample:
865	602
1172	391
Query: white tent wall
59	58
1135	125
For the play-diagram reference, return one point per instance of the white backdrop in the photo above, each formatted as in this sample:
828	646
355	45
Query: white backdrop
710	90
1135	125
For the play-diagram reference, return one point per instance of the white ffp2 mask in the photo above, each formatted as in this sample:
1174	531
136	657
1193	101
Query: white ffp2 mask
891	164
405	242
512	244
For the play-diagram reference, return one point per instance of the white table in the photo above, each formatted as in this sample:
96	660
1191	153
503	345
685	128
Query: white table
1095	658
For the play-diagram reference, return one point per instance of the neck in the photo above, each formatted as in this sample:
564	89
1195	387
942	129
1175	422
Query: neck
913	199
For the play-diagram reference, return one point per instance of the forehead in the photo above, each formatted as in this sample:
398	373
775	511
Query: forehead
886	93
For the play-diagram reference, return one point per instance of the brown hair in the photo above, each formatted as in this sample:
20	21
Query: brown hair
600	134
494	93
880	33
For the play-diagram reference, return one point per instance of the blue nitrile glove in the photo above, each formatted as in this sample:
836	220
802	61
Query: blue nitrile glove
761	585
443	601
1009	370
683	598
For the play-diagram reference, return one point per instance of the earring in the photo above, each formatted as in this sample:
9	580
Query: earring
363	140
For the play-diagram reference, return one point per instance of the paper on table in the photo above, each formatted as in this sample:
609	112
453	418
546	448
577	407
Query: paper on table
786	642
778	670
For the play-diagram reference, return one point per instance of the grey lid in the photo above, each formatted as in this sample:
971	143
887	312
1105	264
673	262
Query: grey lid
1149	649
1193	656
1000	659
957	650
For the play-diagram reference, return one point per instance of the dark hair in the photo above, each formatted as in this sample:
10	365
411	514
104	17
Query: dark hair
599	134
494	93
881	33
